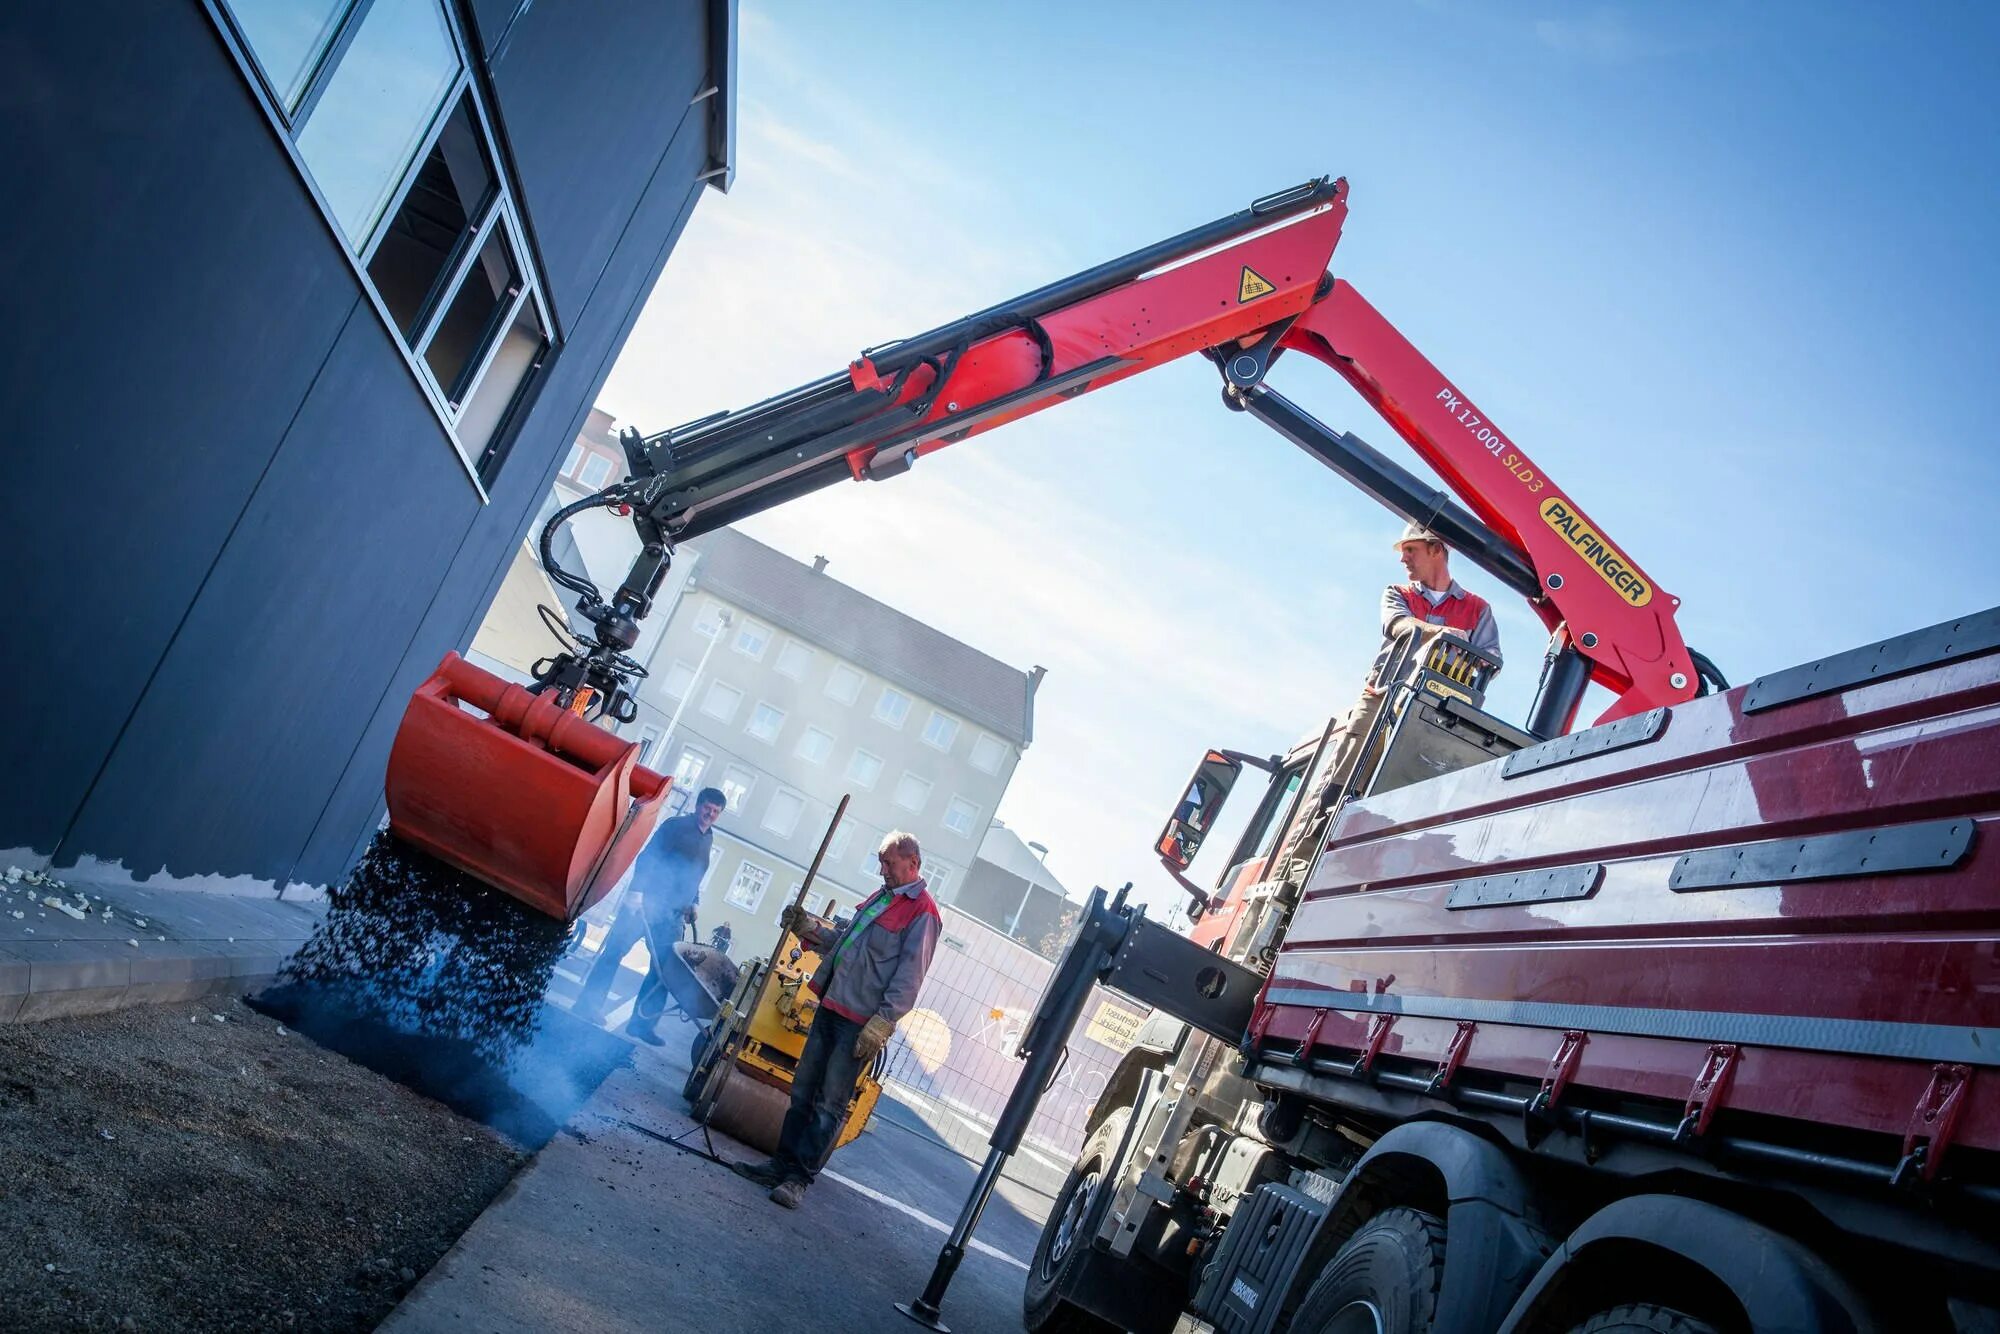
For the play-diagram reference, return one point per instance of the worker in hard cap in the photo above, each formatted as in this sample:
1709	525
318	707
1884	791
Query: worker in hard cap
871	968
1430	604
666	881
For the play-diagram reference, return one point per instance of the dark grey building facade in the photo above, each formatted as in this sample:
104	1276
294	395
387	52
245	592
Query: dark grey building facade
308	300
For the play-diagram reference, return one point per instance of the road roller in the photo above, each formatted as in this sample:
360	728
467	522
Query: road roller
741	1063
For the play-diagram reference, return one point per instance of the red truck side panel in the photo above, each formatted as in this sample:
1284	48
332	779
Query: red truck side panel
1843	996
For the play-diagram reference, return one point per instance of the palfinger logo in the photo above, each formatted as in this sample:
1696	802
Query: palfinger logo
1607	560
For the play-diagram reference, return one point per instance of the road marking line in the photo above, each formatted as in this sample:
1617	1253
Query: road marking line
982	1247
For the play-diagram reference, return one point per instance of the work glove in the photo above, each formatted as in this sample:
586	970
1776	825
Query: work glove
873	1037
794	919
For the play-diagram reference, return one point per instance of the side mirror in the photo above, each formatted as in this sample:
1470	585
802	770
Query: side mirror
1196	814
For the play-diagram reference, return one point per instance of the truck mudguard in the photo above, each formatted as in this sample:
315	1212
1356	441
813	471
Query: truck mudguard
1496	1242
1782	1287
1154	1048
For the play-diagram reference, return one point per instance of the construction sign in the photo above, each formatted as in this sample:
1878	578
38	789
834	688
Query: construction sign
1252	285
1114	1026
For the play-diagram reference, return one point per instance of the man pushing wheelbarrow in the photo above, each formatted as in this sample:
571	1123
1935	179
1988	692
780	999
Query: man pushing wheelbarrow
658	905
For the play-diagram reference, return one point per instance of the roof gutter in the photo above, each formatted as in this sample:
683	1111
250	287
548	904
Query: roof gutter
719	170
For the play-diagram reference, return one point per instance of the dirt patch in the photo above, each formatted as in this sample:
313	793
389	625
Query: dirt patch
162	1171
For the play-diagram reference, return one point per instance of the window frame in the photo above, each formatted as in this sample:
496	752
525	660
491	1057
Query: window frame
592	456
749	724
716	683
1000	749
711	607
649	738
951	739
797	816
909	702
744	627
723	783
666	690
497	212
729	894
852	777
912	776
788	646
860	680
973	823
707	758
810	731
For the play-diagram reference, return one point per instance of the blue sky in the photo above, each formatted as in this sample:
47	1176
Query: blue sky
1725	272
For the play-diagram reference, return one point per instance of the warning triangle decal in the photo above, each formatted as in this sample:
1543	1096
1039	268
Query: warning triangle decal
1251	286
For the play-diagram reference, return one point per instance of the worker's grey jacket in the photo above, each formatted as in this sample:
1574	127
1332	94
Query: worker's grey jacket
874	963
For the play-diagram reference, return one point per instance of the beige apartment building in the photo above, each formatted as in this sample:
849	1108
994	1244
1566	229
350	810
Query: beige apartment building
792	688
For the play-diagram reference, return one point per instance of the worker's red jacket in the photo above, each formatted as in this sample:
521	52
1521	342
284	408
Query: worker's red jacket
876	962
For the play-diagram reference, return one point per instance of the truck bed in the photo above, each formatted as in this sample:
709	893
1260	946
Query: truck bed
1713	890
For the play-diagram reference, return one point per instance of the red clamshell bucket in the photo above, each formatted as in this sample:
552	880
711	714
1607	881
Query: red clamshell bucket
530	798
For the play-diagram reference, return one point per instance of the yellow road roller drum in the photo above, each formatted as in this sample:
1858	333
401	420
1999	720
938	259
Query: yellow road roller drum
741	1065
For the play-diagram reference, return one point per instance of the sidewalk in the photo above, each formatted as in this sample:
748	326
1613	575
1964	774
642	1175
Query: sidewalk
609	1230
107	947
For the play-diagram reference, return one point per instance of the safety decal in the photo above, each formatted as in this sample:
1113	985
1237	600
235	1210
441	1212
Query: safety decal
1609	562
1252	285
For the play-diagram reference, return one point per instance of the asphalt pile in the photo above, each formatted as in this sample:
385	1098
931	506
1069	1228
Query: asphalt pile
437	980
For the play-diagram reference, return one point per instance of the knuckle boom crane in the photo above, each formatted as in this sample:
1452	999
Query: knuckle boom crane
1241	291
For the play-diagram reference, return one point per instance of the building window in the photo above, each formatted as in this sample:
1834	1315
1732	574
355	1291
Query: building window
941	731
961	817
746	891
765	722
842	835
287	38
815	745
674	685
869	866
794	659
596	472
693	764
379	106
577	454
892	706
865	768
781	817
987	753
649	741
936	878
736	784
752	639
843	683
708	622
912	792
721	701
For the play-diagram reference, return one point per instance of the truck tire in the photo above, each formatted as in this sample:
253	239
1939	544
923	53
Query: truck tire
1064	1265
1383	1281
1643	1319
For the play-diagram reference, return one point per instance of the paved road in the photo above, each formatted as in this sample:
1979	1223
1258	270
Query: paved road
610	1229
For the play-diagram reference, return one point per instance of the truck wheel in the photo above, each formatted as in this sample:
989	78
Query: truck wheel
1383	1281
1064	1264
1643	1319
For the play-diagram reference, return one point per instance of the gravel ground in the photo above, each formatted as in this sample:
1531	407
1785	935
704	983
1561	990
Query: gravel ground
163	1171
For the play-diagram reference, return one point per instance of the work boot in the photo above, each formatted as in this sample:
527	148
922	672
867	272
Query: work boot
767	1174
645	1034
789	1192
